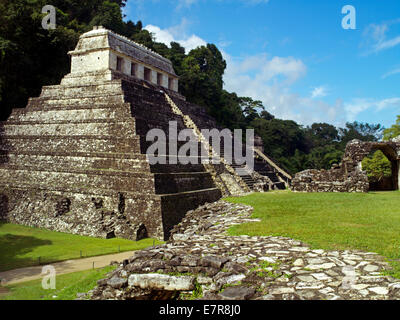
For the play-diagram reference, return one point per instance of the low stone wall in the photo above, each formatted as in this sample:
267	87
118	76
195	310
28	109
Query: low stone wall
332	180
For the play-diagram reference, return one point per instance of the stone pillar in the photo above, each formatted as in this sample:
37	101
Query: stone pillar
153	77
126	67
175	85
397	174
140	71
164	81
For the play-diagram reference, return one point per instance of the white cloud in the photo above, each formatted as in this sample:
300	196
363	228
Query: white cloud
176	34
269	80
387	44
185	3
391	73
359	105
319	92
289	69
376	38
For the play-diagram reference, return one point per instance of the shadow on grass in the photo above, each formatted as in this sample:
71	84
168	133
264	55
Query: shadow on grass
13	246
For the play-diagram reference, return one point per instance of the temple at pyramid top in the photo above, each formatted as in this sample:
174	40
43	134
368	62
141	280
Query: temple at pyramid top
104	55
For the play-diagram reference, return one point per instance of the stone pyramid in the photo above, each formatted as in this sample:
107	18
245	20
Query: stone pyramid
74	160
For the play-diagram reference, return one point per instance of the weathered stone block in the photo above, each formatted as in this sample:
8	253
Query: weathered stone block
161	282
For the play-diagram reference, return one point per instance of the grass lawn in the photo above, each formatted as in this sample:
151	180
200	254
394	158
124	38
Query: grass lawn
22	246
67	286
331	221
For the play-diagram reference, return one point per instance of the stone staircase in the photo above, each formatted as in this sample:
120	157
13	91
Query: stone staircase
277	177
274	178
223	174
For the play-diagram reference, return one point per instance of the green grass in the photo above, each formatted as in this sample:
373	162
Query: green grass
331	221
22	246
67	286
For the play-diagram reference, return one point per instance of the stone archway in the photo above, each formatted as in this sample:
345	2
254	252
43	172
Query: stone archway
390	152
348	176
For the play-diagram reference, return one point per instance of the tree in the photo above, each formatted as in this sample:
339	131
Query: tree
31	57
322	134
201	78
109	15
360	131
26	49
377	166
393	131
250	108
176	54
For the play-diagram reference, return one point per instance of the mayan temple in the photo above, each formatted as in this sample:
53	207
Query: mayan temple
74	160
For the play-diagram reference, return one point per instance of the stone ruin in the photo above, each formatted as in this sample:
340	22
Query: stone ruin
348	176
74	160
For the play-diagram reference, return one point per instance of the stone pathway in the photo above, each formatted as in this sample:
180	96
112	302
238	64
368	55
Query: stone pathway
202	262
63	267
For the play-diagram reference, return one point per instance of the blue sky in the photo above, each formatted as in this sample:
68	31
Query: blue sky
294	55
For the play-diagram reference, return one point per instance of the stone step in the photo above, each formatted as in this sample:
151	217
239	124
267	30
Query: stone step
143	101
187	107
70	162
241	170
104	127
113	99
161	160
67	91
88	78
46	115
131	87
249	181
78	179
166	183
160	118
198	115
172	140
43	144
105	106
171	168
94	191
176	156
148	112
143	126
144	107
204	125
156	98
175	206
